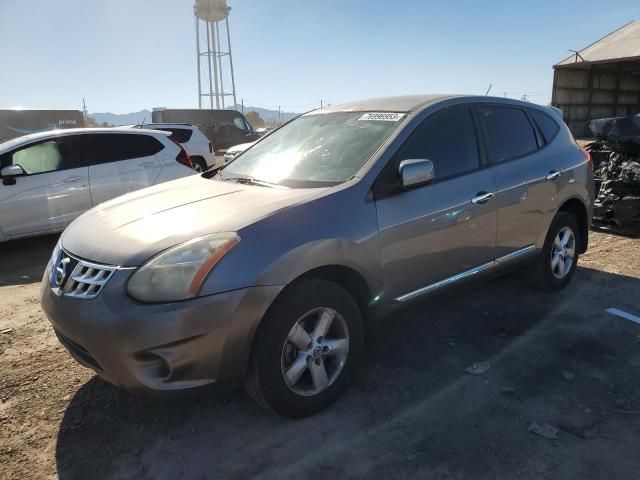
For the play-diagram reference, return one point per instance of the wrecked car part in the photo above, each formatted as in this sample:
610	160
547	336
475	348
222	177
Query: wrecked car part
616	158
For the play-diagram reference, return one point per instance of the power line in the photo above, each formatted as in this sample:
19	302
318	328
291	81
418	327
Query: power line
263	105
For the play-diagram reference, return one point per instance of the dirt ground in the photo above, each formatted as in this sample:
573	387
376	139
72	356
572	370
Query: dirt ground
556	359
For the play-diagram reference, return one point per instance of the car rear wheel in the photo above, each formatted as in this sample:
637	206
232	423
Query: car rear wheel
199	165
306	349
554	267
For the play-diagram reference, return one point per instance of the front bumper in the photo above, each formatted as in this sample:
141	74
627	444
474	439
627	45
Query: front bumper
168	346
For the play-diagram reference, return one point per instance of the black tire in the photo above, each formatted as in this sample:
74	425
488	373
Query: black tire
540	272
265	379
200	163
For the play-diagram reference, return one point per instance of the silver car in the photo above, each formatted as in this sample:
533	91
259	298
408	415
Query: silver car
274	267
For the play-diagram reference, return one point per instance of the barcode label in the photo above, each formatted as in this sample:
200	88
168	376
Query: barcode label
382	116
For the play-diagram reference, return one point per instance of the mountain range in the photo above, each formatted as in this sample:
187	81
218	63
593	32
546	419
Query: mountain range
145	116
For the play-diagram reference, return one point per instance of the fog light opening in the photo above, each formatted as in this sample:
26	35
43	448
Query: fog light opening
154	366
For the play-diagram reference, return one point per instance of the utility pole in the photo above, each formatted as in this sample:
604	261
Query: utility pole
243	106
505	94
524	97
279	115
320	104
488	90
84	108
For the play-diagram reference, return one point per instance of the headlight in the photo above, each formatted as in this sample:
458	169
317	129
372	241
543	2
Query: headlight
179	272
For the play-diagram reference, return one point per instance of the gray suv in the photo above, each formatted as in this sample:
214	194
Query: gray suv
274	267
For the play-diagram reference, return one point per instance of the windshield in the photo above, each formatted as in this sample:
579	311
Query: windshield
314	150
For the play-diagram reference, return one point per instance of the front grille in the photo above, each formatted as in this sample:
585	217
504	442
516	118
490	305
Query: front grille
72	277
87	279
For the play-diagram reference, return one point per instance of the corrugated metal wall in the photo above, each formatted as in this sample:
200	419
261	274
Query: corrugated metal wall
584	92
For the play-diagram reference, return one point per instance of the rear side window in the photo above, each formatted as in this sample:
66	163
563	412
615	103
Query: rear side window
180	135
547	125
509	132
113	147
448	139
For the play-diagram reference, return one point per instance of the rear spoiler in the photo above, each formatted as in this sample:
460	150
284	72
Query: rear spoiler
143	130
557	111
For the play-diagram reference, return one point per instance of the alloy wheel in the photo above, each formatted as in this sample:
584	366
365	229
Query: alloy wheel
563	253
315	351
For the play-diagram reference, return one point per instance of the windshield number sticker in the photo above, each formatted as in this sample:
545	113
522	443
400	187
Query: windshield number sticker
382	116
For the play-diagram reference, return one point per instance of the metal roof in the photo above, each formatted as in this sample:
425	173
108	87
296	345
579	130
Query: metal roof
404	103
621	44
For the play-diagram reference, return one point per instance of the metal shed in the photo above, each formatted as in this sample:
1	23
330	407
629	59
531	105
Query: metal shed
601	80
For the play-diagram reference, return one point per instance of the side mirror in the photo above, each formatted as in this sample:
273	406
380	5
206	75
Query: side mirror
415	172
10	172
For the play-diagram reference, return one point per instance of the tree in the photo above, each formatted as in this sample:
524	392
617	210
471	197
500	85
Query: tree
255	119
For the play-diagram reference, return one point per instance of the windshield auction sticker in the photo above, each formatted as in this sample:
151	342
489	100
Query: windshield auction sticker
382	116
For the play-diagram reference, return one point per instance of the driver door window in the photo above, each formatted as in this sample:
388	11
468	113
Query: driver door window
40	158
448	139
241	124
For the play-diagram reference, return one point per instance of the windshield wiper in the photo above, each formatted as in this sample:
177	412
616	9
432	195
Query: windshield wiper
250	181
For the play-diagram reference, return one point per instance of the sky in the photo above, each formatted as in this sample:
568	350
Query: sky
127	55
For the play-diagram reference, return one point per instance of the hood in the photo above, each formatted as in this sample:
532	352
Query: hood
128	230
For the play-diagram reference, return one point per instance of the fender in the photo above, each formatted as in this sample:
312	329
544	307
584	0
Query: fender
323	253
278	249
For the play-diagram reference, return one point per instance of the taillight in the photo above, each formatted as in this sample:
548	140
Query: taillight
183	157
210	147
587	156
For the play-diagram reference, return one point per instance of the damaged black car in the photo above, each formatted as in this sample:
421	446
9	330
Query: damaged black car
616	159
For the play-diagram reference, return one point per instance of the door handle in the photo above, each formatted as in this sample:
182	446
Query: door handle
72	179
482	197
147	164
553	175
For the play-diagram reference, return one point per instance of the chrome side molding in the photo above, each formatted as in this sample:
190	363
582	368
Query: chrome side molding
466	274
516	254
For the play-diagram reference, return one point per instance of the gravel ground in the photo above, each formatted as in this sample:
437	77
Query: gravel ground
558	364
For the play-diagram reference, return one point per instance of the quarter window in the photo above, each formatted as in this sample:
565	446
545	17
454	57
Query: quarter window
546	124
509	132
448	139
180	135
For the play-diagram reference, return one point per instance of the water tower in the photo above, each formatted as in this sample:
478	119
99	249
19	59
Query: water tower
215	63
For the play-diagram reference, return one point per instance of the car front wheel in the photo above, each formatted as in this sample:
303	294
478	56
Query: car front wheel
306	349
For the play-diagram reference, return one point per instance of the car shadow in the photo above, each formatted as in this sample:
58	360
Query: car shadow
413	412
23	261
